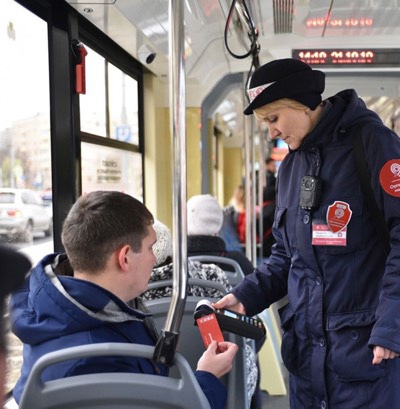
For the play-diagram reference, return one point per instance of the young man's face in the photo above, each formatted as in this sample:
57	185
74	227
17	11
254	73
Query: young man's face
143	262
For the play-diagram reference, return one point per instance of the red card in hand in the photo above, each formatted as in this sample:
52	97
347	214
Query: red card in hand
209	329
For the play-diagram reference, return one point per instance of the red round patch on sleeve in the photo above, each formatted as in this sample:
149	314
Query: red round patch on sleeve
390	177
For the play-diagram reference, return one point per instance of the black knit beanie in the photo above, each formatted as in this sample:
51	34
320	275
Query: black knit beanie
286	78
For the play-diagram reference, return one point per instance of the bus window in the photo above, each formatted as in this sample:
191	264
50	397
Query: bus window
123	92
25	154
105	168
109	90
93	103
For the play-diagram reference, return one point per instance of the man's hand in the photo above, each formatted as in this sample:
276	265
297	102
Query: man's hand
218	358
381	353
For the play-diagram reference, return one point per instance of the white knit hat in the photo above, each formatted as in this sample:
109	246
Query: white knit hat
162	248
204	215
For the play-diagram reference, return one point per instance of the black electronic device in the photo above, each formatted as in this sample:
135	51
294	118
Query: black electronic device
232	321
310	192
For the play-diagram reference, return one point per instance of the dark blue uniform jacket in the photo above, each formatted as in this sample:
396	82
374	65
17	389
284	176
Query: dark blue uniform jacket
343	300
52	312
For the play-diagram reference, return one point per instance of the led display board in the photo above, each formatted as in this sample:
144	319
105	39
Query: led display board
340	57
340	22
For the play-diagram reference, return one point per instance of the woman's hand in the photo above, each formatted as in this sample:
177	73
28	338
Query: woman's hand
381	353
230	302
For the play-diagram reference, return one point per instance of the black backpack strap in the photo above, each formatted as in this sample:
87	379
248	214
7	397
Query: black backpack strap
365	179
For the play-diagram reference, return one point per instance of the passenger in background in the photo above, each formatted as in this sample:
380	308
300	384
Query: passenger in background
335	259
229	231
238	199
267	213
91	295
238	203
204	221
14	266
163	270
270	172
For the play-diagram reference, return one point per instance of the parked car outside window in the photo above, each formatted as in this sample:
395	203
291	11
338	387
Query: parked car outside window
47	197
23	212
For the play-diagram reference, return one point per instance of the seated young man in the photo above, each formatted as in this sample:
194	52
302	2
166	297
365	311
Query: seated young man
91	295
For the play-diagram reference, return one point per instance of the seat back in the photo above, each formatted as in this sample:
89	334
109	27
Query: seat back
231	267
112	390
190	343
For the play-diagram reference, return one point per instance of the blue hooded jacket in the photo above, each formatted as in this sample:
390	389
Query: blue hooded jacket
343	299
53	311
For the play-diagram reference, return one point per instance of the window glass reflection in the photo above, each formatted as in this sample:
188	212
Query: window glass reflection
93	103
120	101
105	168
123	107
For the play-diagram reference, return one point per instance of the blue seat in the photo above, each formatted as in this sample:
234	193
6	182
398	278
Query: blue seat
190	343
234	272
112	390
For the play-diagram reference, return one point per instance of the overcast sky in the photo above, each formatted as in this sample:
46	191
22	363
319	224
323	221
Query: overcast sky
24	75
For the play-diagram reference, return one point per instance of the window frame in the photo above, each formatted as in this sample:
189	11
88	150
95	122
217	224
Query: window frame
65	25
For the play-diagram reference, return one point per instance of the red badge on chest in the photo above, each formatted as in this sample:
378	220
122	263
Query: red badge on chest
338	216
390	177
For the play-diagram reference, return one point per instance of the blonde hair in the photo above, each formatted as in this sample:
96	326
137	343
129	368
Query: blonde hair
262	112
238	199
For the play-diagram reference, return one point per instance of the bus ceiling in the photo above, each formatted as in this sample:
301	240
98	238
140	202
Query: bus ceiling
282	25
355	43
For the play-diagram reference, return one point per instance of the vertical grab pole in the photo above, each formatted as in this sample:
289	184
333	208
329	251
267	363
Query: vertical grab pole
261	184
253	197
251	190
166	345
248	131
247	184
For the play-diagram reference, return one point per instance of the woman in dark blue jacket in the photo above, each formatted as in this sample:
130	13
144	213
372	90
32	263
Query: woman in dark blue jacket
342	323
91	295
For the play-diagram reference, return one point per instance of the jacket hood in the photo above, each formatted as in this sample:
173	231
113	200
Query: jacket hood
353	108
343	110
51	302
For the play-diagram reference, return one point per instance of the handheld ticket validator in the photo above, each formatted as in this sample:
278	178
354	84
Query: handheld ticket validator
231	321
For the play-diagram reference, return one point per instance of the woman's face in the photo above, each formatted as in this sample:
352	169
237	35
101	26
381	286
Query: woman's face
289	124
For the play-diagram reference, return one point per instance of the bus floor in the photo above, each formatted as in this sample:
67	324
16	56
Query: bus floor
275	402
